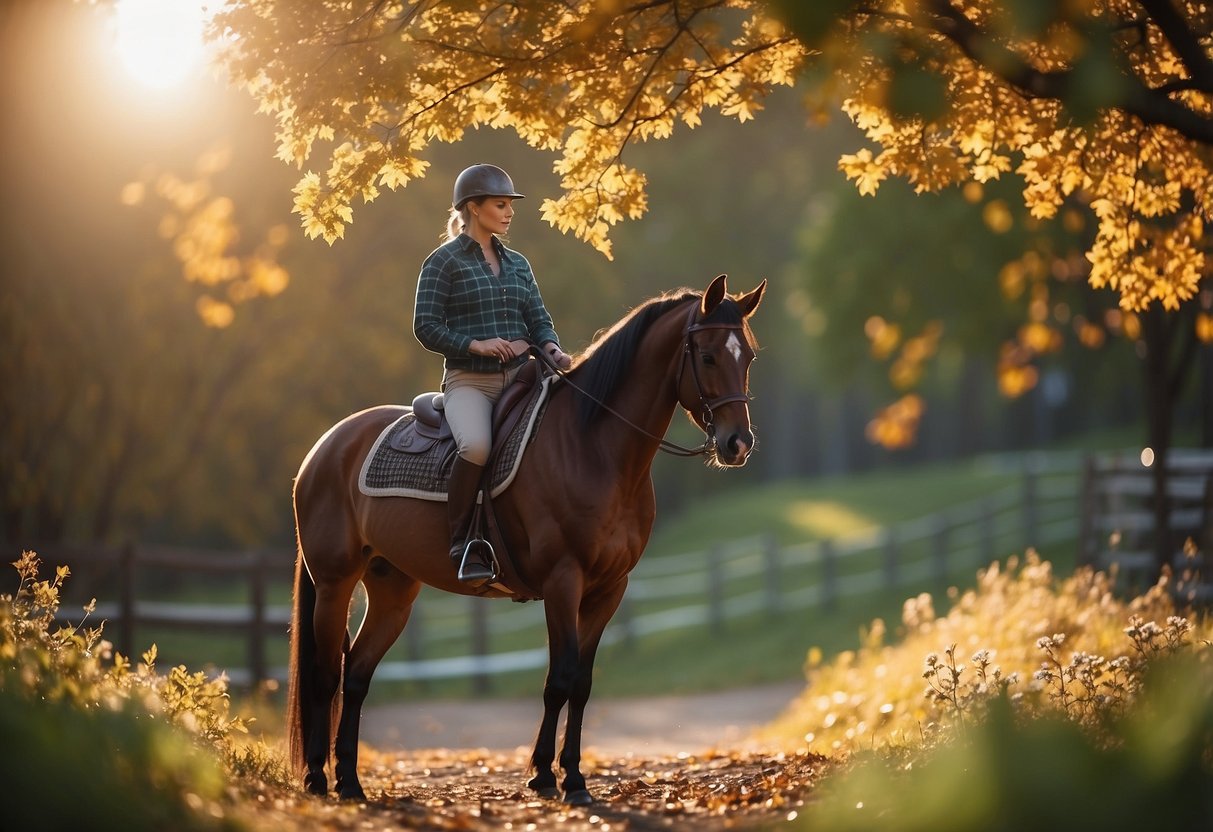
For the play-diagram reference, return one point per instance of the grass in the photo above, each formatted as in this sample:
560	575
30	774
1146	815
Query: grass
768	646
796	511
1035	702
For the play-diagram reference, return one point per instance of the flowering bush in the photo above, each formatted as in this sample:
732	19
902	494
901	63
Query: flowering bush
1095	717
1070	646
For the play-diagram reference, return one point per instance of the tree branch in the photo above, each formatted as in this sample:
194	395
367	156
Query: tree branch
1152	107
1183	40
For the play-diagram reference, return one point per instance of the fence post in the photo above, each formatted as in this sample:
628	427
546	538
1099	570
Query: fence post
257	634
716	589
770	552
1206	529
481	681
414	640
414	635
892	556
1029	504
940	556
126	600
1086	522
985	531
829	575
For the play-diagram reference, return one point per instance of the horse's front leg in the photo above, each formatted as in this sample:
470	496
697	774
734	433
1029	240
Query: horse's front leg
561	603
596	612
390	596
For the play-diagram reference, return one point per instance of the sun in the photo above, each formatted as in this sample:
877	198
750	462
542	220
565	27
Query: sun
160	42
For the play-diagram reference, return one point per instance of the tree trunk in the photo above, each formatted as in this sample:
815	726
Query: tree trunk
1166	369
1205	406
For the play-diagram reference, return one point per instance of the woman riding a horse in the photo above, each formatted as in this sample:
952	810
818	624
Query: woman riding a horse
478	306
576	517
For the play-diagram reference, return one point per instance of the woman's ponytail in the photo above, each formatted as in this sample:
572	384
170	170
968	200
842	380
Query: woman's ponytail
456	222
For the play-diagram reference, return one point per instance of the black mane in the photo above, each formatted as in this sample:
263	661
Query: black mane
605	363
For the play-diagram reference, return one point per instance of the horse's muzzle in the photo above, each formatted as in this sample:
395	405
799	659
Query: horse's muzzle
734	449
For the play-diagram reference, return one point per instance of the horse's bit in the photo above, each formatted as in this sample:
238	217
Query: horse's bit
707	406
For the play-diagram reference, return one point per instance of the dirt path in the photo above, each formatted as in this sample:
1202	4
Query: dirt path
661	763
649	726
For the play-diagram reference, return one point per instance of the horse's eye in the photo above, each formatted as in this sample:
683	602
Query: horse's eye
708	360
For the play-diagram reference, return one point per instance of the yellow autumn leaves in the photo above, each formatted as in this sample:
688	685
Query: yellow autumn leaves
370	85
1149	186
202	229
896	425
376	83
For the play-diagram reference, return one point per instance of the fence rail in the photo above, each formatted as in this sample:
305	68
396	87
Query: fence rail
1119	517
449	636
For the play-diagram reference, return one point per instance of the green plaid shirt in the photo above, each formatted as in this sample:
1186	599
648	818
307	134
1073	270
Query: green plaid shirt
459	300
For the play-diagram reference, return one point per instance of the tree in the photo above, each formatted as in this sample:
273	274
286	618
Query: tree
966	300
1106	100
1096	101
380	81
1098	98
125	415
1102	103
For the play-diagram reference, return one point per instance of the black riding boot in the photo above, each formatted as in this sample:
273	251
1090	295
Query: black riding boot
461	506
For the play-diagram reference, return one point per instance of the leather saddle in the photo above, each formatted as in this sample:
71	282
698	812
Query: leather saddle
430	426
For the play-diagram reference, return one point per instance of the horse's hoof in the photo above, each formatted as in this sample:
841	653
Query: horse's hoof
353	792
544	786
316	784
578	797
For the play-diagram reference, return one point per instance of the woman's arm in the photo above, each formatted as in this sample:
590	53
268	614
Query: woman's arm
429	311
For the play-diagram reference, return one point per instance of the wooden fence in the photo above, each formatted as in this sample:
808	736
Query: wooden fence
1118	518
454	636
257	621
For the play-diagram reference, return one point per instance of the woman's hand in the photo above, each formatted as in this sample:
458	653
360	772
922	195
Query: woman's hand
499	348
559	357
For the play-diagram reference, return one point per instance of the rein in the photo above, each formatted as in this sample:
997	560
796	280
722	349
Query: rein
663	444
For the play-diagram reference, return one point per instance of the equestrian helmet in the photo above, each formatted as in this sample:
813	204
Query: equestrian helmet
482	180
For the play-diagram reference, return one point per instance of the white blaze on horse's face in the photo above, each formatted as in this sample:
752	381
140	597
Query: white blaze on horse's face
733	345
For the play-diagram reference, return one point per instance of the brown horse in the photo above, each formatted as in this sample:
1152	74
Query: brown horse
576	519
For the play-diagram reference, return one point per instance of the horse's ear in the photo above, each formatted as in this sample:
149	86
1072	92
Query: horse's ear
713	296
749	302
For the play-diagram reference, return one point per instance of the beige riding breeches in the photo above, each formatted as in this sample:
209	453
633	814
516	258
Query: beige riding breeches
469	398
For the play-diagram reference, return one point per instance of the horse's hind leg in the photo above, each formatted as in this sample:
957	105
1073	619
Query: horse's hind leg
319	703
390	596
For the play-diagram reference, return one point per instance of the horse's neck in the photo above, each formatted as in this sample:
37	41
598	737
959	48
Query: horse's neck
647	399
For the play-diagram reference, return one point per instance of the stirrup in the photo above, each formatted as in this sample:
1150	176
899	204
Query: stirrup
485	569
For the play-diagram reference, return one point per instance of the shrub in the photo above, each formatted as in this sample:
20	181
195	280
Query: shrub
96	741
1096	715
1148	768
1044	643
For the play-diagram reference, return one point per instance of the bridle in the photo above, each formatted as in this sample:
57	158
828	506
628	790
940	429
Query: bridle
707	406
